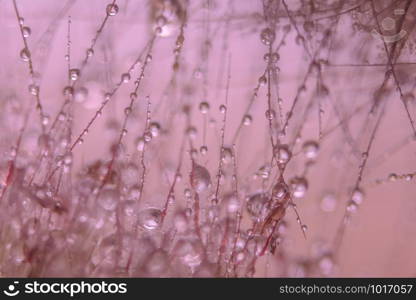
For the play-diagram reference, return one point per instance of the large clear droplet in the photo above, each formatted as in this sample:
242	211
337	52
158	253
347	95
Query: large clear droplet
204	107
150	218
81	94
310	149
257	205
223	108
247	119
299	186
280	191
200	178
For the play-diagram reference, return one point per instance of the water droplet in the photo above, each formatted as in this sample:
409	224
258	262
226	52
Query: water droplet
352	207
154	128
263	80
283	154
328	203
190	252
127	111
270	114
26	31
133	96
109	198
34	89
299	186
310	149
304	228
125	77
68	159
299	39
74	74
157	264
200	178
25	54
158	30
280	191
240	256
180	221
227	155
409	97
232	203
161	21
203	150
150	218
267	36
204	107
68	91
140	144
257	205
81	94
264	171
13	152
393	177
45	120
357	196
326	265
223	108
129	175
187	193
271	57
90	52
191	132
147	136
247	120
112	9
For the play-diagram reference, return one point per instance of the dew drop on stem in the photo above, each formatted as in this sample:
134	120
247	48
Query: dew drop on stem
112	9
200	178
25	54
26	31
204	107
